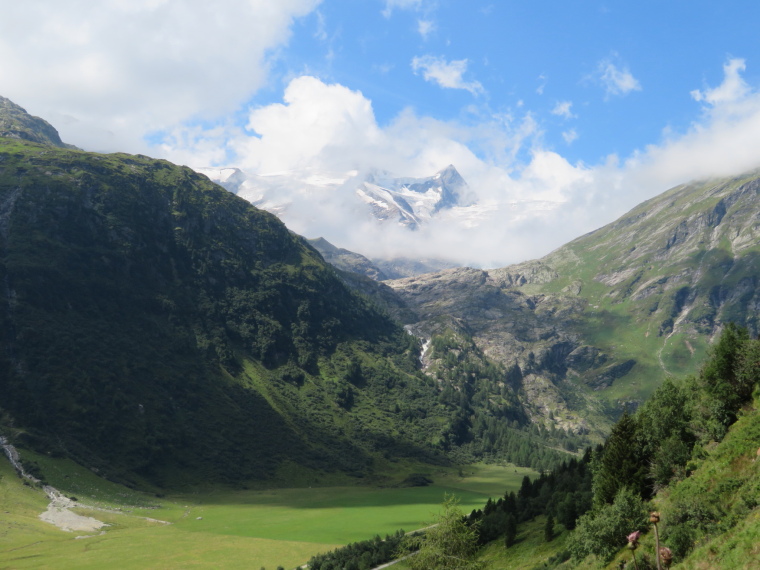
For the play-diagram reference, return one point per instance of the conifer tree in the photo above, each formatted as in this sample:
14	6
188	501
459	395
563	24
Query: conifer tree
549	529
449	544
510	534
622	463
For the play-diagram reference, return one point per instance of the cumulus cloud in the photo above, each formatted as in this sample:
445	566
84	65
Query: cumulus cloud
447	74
103	79
307	154
732	89
107	72
527	199
724	141
616	80
316	125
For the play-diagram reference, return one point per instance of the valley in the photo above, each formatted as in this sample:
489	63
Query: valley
212	386
213	526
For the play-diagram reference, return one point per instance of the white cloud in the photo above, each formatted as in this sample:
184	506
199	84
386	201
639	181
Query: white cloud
425	28
447	74
732	89
570	136
723	142
615	80
562	109
321	31
108	72
525	206
316	124
390	5
104	73
542	86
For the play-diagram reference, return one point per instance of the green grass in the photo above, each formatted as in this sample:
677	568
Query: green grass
222	527
529	551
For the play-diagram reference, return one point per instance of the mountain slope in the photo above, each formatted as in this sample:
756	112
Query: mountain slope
155	324
347	260
607	316
15	122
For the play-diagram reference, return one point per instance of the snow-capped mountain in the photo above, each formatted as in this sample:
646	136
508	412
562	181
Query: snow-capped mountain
409	202
412	201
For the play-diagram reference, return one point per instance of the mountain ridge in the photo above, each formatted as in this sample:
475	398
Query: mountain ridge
15	122
610	314
409	202
160	329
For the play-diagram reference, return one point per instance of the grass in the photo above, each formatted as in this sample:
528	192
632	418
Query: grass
529	551
222	527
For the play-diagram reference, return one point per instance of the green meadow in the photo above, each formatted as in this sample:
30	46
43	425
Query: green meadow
222	528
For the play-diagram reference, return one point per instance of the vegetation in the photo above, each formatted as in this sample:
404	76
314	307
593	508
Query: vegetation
167	335
698	454
163	331
160	329
243	528
362	555
448	543
489	421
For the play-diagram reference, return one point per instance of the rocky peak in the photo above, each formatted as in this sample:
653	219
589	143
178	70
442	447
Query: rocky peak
15	122
412	201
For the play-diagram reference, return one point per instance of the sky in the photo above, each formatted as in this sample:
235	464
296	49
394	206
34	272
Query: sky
560	115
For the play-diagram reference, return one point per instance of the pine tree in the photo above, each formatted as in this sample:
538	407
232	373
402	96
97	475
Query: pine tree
510	527
549	529
719	375
449	544
622	463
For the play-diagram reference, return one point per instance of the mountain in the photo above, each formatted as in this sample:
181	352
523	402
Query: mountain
156	327
160	330
15	122
377	269
409	202
400	267
346	260
598	323
412	201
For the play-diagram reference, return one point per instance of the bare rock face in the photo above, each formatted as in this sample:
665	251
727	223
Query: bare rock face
528	334
530	272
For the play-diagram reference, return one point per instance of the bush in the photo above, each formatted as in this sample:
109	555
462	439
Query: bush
602	532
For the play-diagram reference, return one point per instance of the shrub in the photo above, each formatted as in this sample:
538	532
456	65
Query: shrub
603	531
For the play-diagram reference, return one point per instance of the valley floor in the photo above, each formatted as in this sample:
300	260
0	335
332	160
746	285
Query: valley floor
220	527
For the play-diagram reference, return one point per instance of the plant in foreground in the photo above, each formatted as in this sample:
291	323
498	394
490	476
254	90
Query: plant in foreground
666	556
633	544
654	518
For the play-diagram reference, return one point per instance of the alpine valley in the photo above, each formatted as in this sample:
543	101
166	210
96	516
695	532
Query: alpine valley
163	335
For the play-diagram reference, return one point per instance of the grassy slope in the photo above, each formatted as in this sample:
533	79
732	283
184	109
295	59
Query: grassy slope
160	328
725	486
237	529
625	323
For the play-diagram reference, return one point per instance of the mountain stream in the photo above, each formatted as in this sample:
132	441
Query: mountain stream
59	511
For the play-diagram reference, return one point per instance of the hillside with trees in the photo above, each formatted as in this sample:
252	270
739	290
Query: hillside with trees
161	330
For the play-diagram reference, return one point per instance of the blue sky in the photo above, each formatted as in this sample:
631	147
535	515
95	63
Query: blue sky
531	58
561	115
